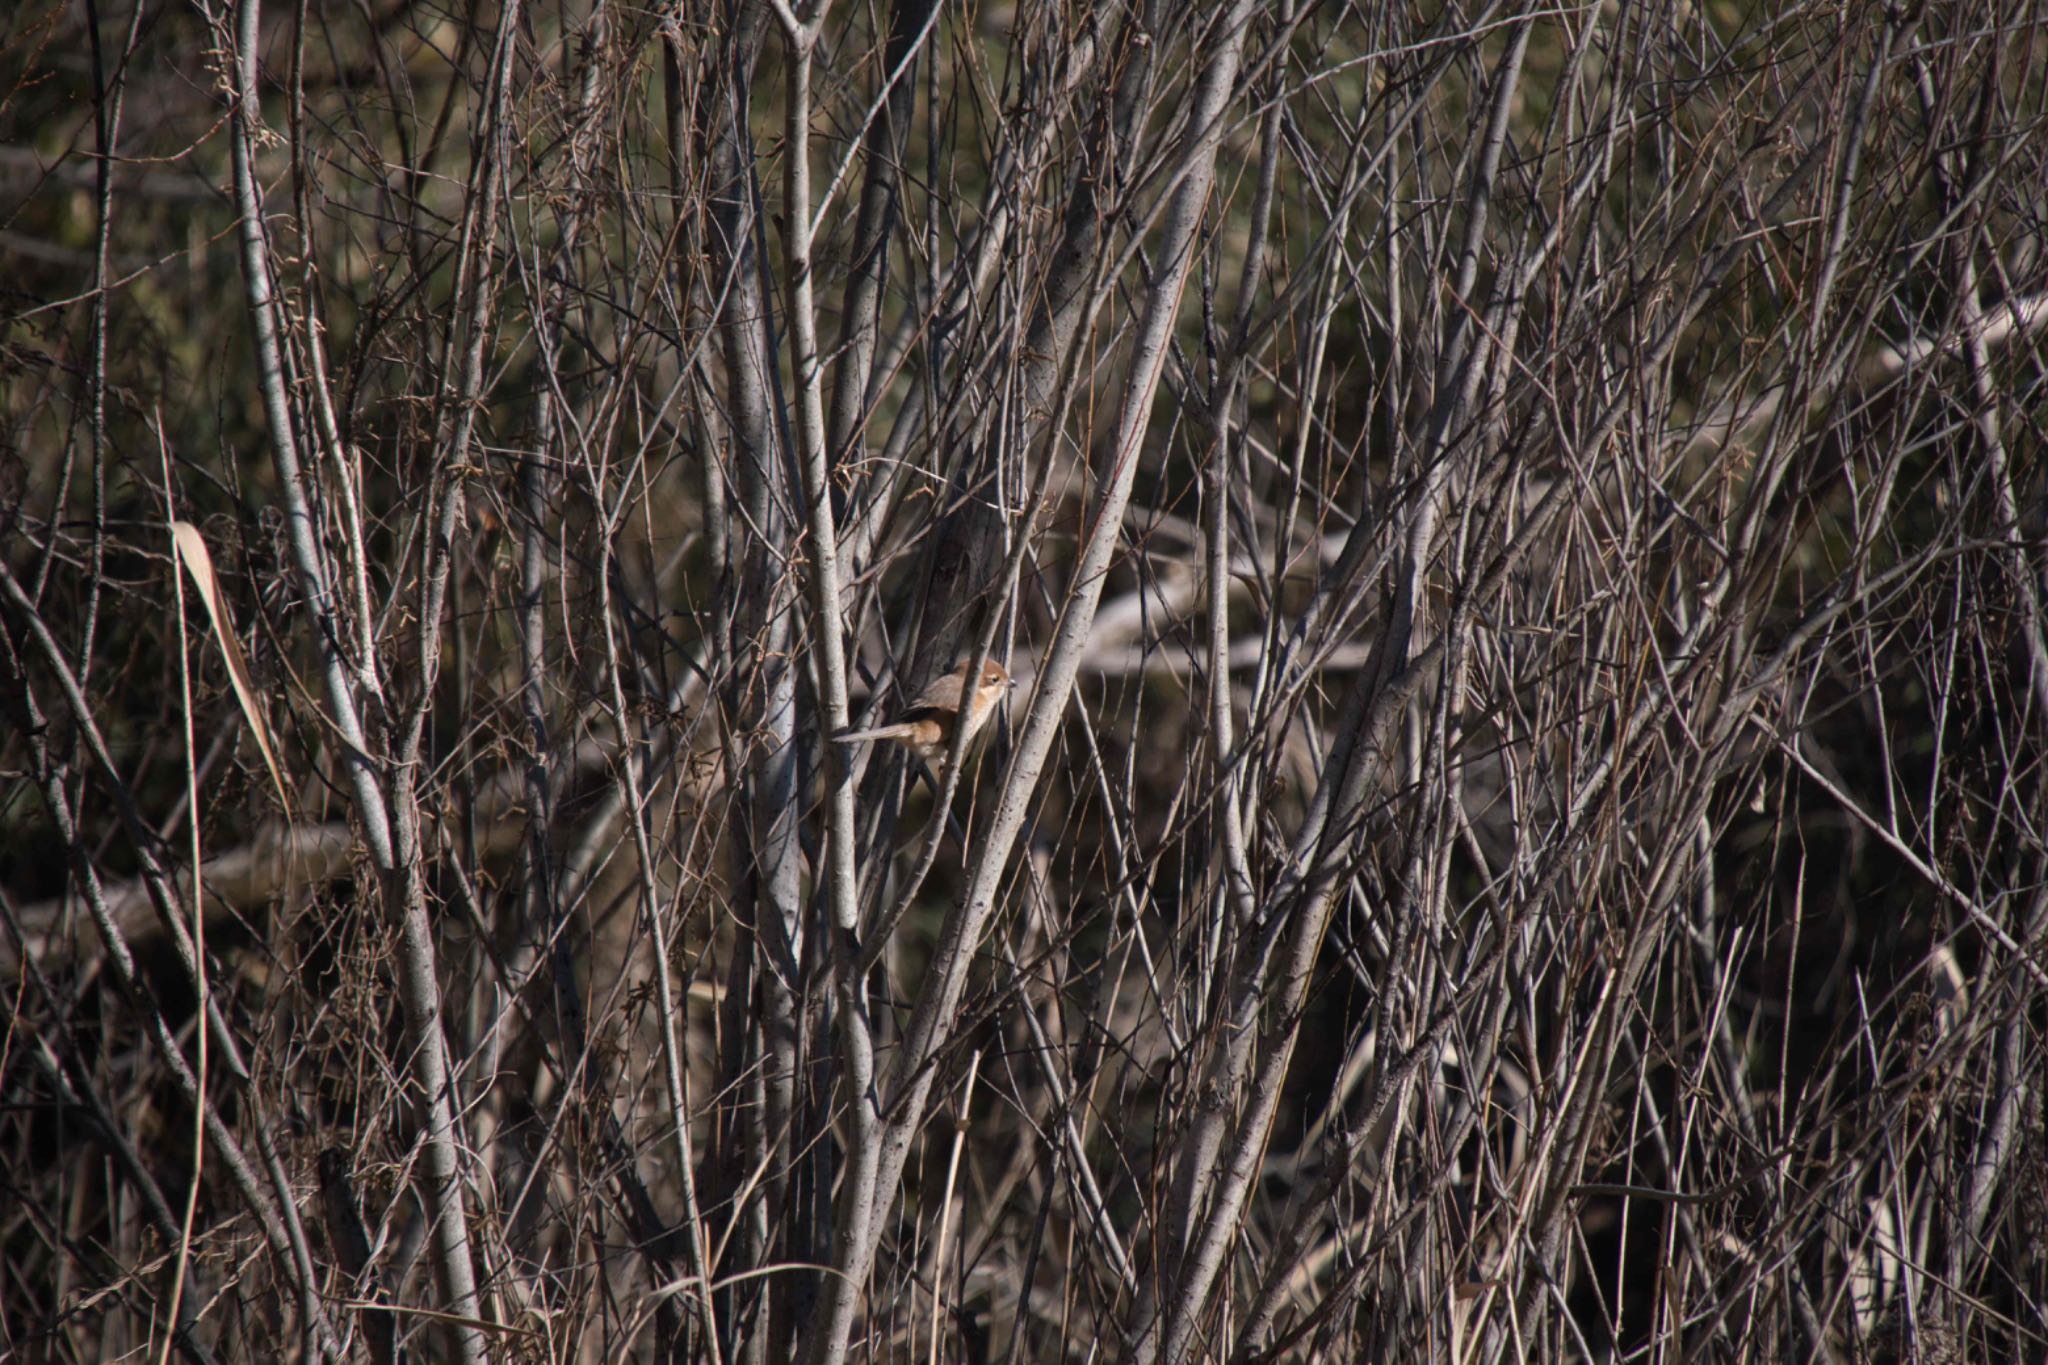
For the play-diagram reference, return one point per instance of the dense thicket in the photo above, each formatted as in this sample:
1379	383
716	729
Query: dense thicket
1521	532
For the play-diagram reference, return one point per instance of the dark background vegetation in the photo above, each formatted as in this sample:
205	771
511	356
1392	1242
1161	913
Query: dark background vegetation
1519	530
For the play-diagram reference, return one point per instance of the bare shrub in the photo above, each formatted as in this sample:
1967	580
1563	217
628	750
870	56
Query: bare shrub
1520	538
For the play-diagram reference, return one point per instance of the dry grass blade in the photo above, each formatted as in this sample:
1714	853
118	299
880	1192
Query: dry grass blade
192	553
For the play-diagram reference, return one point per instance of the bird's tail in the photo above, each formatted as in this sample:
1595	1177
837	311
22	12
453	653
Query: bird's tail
882	732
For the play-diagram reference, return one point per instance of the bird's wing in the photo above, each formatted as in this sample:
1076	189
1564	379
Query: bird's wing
942	695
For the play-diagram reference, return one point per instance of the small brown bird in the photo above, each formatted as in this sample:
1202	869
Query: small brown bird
925	727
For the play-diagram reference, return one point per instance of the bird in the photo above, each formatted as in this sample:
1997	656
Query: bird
925	727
